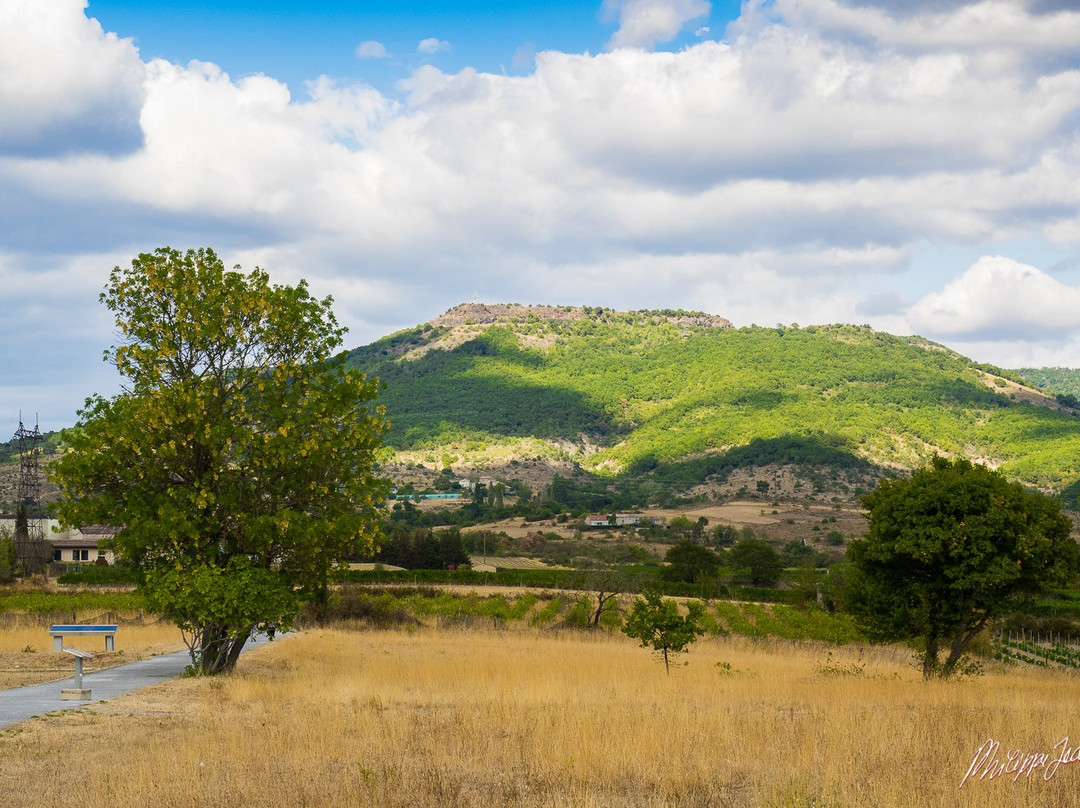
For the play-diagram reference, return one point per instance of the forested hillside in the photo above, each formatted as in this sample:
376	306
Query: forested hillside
620	392
1056	381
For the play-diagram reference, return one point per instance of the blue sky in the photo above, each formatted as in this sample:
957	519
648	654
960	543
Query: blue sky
298	42
910	164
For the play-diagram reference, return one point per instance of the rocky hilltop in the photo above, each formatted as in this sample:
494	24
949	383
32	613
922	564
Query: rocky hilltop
491	313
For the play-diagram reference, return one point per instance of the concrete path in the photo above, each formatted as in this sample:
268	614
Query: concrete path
21	703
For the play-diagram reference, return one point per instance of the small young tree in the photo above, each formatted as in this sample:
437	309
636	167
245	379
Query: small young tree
605	586
657	624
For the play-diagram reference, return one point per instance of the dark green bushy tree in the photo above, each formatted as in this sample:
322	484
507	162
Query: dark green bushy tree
950	549
759	561
238	460
689	561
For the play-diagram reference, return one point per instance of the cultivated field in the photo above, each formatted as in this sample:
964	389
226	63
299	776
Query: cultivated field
494	718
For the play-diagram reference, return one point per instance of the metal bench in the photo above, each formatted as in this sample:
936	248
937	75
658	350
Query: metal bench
77	693
59	632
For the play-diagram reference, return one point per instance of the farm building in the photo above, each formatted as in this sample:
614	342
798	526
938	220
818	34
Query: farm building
82	546
69	546
617	519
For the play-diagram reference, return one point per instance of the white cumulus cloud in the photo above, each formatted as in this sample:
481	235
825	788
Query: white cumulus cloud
65	85
794	172
371	49
432	45
1003	297
644	23
998	25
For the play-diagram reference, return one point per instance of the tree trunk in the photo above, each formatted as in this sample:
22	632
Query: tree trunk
963	637
602	600
930	659
215	649
956	650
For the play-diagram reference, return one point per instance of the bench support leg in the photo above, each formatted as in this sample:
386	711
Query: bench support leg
57	644
109	638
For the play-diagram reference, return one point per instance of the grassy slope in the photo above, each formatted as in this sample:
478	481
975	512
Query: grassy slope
641	390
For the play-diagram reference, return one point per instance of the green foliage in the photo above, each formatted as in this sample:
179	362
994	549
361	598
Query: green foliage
577	616
403	606
240	446
797	553
1029	652
214	605
358	605
657	624
397	606
7	558
690	562
948	550
650	392
757	562
421	548
1056	381
41	602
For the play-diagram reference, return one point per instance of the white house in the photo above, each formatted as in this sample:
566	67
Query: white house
82	546
621	520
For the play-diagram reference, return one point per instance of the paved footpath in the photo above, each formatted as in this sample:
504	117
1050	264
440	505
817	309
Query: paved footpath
21	703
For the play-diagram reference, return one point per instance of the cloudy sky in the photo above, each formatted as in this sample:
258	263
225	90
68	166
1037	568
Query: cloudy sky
911	164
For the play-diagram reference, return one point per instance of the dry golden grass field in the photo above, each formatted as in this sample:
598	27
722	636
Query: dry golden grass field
526	718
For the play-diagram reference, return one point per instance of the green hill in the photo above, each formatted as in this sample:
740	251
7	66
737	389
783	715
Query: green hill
687	395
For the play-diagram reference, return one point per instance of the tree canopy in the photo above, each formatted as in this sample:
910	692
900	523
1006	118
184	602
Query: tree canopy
237	462
758	562
690	562
948	550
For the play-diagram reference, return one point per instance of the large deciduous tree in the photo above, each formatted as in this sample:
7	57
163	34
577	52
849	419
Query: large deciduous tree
237	462
949	549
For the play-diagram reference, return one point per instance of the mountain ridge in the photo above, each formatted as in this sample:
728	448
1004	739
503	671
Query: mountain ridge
616	393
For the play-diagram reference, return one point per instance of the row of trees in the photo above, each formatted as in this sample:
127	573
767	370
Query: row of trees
757	561
418	548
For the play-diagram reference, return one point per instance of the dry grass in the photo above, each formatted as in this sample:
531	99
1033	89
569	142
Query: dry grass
338	718
27	658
